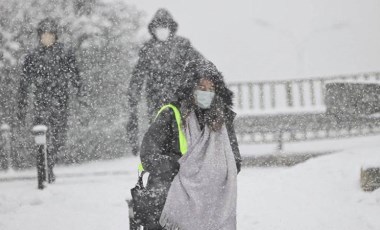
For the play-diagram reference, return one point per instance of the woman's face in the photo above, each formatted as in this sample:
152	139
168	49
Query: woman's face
204	93
206	85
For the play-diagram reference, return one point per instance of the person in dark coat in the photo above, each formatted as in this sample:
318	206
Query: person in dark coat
160	149
160	65
51	68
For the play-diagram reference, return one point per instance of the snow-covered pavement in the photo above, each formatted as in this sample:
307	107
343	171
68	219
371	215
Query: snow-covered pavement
323	193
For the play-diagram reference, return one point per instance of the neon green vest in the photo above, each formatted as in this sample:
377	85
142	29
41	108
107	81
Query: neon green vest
181	135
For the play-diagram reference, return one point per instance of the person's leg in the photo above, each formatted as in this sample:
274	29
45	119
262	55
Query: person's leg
51	157
132	132
41	176
58	130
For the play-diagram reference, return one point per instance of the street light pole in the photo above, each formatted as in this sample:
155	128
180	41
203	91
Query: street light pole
39	132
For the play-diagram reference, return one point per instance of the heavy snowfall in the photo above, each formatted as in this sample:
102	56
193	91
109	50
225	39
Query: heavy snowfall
305	77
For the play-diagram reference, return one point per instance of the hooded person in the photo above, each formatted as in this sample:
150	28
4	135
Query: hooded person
208	165
52	70
160	66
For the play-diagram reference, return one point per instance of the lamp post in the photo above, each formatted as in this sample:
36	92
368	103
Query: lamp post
39	132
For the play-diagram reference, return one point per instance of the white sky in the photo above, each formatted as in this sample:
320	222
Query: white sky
277	39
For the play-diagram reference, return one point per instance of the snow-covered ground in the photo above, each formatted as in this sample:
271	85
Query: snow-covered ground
316	146
323	193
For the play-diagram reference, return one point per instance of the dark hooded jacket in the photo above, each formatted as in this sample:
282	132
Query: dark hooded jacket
160	65
51	70
160	146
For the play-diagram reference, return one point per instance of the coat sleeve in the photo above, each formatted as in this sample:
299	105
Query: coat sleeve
157	143
136	83
25	82
234	143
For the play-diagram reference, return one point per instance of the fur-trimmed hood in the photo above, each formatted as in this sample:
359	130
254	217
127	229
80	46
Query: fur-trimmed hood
202	68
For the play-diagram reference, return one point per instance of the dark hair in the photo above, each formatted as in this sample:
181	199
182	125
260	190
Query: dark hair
48	25
194	72
203	69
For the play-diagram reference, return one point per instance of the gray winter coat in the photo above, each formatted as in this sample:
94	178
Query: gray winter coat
160	146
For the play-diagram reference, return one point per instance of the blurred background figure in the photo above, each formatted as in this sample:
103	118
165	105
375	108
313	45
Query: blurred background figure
161	63
51	68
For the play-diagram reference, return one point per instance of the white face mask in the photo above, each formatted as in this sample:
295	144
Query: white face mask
204	98
162	34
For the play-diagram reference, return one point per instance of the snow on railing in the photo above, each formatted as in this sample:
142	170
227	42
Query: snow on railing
288	96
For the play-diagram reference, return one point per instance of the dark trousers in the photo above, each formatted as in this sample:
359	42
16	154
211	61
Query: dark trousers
56	122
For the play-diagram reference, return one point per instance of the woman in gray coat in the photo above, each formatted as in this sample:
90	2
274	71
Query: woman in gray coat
207	122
